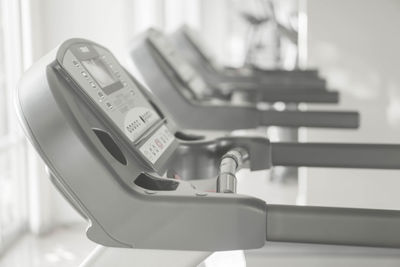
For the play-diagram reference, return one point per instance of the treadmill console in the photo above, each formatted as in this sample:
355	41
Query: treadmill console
182	69
191	36
112	91
109	147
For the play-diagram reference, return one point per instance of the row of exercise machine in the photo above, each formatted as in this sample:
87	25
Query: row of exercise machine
120	153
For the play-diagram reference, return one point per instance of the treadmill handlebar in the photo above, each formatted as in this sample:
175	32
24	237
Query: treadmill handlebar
313	96
376	156
286	96
337	226
321	119
228	116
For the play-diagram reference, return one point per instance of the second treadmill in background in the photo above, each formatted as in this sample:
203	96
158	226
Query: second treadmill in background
186	41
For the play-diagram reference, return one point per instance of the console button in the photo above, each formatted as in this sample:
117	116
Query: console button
109	105
100	94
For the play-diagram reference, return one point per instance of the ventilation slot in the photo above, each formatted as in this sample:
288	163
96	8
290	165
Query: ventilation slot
154	183
188	137
109	144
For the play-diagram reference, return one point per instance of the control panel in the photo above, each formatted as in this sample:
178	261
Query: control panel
186	73
156	144
101	78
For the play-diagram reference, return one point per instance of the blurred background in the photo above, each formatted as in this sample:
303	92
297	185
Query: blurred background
354	44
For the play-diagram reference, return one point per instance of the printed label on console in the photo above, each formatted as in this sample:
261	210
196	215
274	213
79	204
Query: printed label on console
138	120
157	144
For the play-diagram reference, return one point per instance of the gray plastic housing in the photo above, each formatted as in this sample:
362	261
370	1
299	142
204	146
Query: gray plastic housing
59	122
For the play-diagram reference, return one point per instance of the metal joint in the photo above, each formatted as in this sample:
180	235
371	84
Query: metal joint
231	162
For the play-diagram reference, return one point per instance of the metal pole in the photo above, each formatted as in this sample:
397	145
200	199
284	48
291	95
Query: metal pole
231	162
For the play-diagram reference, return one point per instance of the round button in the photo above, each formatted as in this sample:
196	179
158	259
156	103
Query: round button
100	94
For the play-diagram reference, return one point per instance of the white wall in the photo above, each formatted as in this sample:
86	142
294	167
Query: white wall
107	22
216	26
356	45
178	12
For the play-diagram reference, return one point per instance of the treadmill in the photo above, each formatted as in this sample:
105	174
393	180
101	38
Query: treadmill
187	42
184	92
255	90
110	145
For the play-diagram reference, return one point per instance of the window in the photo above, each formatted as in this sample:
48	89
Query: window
13	211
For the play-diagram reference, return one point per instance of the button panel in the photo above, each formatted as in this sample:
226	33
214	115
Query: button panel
122	101
153	148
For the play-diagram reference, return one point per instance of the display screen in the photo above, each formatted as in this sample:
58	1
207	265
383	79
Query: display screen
99	71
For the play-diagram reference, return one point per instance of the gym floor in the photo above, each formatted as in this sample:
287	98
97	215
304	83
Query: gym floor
65	247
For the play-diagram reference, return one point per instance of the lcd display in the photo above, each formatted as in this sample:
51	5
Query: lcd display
99	71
